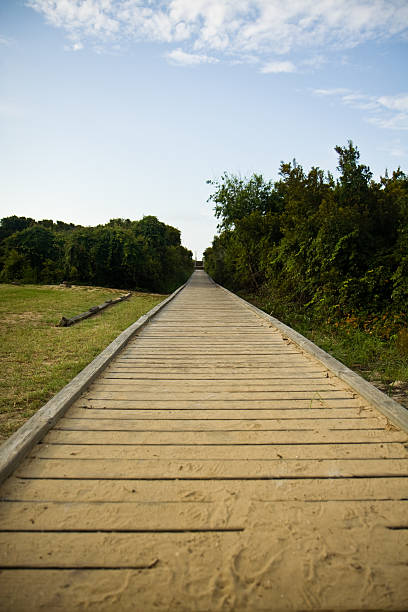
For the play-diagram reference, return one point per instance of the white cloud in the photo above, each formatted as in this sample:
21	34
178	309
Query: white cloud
276	67
75	46
339	91
81	18
314	62
234	29
5	41
391	122
398	103
389	112
181	58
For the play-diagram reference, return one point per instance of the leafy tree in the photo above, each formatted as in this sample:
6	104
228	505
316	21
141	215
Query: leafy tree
144	254
35	245
13	224
335	246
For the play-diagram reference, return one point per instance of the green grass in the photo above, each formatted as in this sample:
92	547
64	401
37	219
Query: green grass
382	362
37	358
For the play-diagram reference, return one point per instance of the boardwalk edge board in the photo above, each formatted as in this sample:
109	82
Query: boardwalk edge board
13	450
395	413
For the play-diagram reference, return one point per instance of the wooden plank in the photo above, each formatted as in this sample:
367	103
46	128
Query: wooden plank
170	585
126	372
204	367
279	490
277	403
190	515
209	325
219	396
200	335
224	437
209	343
199	351
225	386
139	550
270	368
107	516
233	361
304	413
213	424
198	469
81	550
223	453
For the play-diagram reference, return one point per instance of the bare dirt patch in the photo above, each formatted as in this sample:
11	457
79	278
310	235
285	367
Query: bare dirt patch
21	318
398	390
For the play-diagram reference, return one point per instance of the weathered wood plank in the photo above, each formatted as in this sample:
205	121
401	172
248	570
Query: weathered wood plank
276	403
219	396
267	491
126	372
225	437
168	586
192	515
214	424
223	453
140	550
199	351
107	516
114	384
198	469
79	412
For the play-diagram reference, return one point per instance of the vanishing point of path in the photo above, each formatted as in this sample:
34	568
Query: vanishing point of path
212	466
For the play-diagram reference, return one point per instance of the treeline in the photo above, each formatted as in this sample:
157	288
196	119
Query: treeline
145	254
336	248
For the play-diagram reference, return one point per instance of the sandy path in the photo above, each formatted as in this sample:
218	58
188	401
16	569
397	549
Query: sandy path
213	466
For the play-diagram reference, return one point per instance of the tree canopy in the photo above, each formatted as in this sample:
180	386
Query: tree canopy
335	246
145	254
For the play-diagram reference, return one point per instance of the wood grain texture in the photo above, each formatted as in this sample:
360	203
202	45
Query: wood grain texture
214	464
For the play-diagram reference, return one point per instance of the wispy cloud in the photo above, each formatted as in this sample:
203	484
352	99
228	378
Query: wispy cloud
390	122
230	29
398	103
6	42
390	112
74	46
338	91
181	58
276	67
314	62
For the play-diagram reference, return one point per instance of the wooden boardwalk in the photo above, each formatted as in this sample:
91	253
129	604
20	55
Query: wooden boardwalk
213	466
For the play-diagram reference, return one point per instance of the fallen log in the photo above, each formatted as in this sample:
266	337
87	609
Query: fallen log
93	310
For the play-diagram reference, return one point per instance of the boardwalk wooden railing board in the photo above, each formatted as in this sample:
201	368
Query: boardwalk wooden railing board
386	405
213	464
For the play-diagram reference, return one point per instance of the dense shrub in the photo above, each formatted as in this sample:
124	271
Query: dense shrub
145	254
338	248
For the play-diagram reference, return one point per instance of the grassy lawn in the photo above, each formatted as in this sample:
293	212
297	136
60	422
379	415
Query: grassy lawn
37	358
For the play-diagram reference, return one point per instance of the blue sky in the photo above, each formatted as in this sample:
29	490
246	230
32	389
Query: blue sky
124	108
